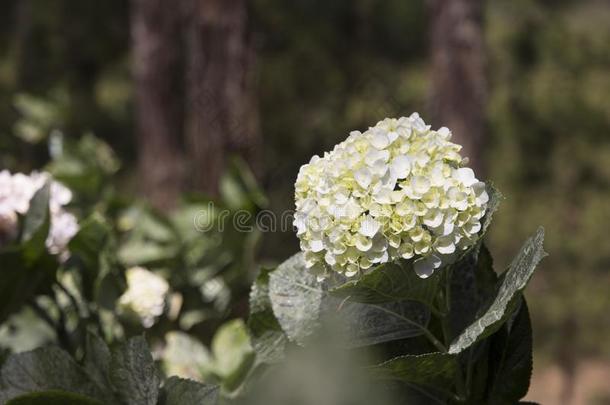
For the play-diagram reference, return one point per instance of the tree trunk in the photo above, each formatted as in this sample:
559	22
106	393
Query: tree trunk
220	113
155	35
458	73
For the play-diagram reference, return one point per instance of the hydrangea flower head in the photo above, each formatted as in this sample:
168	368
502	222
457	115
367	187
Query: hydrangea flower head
397	190
145	295
16	191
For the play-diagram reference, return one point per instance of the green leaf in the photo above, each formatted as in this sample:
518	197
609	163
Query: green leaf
511	284
473	283
511	359
300	303
86	248
178	391
436	370
185	356
53	398
97	363
36	224
133	373
266	335
232	353
22	278
371	324
43	369
389	282
296	298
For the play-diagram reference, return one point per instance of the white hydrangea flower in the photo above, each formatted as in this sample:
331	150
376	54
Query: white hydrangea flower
16	191
397	190
145	295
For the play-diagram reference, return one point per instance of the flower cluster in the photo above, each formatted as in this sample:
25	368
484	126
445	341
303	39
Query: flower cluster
145	295
16	191
397	190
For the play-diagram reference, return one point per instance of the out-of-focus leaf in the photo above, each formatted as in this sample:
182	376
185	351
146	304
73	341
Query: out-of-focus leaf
144	253
268	339
133	373
233	354
53	398
43	369
511	283
436	370
296	298
511	359
22	279
178	391
184	356
86	247
36	224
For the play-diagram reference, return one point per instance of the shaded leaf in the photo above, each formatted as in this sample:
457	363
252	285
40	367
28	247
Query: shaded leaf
512	282
371	324
511	359
36	221
97	363
473	283
389	282
43	369
431	369
53	398
86	247
178	391
133	373
266	335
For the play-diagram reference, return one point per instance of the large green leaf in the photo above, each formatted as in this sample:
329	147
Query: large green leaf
53	398
371	324
390	282
266	335
133	373
511	284
178	391
511	359
43	369
296	298
300	303
435	370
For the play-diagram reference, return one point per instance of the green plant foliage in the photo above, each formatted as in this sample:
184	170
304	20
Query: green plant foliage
508	294
124	375
511	358
435	370
53	398
178	391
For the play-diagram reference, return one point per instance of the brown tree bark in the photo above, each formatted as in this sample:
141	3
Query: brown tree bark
220	112
458	93
155	36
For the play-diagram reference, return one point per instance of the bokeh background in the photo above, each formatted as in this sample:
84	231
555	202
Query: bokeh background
186	91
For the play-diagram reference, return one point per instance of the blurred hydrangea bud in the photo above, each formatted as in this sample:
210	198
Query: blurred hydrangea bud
397	190
145	295
16	191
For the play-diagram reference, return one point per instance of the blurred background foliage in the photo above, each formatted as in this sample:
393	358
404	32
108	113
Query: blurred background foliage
322	69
